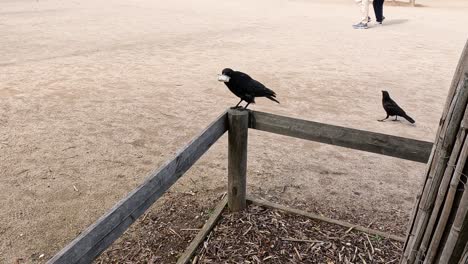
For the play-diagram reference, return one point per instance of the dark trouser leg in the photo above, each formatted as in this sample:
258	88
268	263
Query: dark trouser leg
378	9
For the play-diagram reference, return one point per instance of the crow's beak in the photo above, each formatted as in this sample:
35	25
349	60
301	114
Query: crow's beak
223	78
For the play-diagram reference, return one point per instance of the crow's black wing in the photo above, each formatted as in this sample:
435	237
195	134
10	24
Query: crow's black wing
241	82
392	108
242	77
258	89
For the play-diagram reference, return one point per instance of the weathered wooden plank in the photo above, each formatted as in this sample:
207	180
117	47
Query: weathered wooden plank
436	225
446	134
444	148
188	253
323	218
462	66
464	258
458	234
109	227
399	147
237	158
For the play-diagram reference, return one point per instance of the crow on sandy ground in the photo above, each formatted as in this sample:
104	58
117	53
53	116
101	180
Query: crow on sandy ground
244	87
393	109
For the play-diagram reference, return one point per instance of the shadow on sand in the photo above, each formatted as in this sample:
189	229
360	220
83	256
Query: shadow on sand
394	21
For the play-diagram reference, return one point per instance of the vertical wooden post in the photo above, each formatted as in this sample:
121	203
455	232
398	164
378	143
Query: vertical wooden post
237	158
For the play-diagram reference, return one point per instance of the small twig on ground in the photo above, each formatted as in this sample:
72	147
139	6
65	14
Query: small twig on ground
173	231
23	171
346	259
245	255
68	148
223	195
301	240
349	230
354	256
144	217
298	255
395	245
363	260
245	233
284	188
190	229
370	243
369	254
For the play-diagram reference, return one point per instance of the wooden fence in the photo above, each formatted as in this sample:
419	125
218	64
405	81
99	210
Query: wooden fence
96	238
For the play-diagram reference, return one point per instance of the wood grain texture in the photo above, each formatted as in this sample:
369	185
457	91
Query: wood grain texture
237	158
399	147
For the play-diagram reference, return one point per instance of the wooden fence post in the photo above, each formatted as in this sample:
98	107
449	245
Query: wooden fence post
237	158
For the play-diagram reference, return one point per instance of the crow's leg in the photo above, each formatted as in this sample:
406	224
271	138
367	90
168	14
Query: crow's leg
381	120
396	118
246	105
237	105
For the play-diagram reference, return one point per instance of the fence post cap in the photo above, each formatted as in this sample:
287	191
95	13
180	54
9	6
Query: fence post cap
238	111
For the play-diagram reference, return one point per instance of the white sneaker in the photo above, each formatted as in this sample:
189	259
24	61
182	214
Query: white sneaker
360	25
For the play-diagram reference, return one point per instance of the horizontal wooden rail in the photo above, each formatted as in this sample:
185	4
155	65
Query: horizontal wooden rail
399	147
109	227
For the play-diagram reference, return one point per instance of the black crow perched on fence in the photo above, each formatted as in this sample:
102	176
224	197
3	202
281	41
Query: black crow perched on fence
393	109
244	87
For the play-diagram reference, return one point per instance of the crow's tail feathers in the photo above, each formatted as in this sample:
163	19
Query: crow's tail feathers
272	98
411	120
270	94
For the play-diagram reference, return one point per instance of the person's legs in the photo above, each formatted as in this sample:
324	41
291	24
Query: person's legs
378	9
381	11
364	8
364	11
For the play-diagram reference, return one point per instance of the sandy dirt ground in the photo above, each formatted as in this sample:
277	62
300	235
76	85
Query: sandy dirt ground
95	95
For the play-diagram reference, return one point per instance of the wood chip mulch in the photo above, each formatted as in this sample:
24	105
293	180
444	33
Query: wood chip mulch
261	235
162	234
